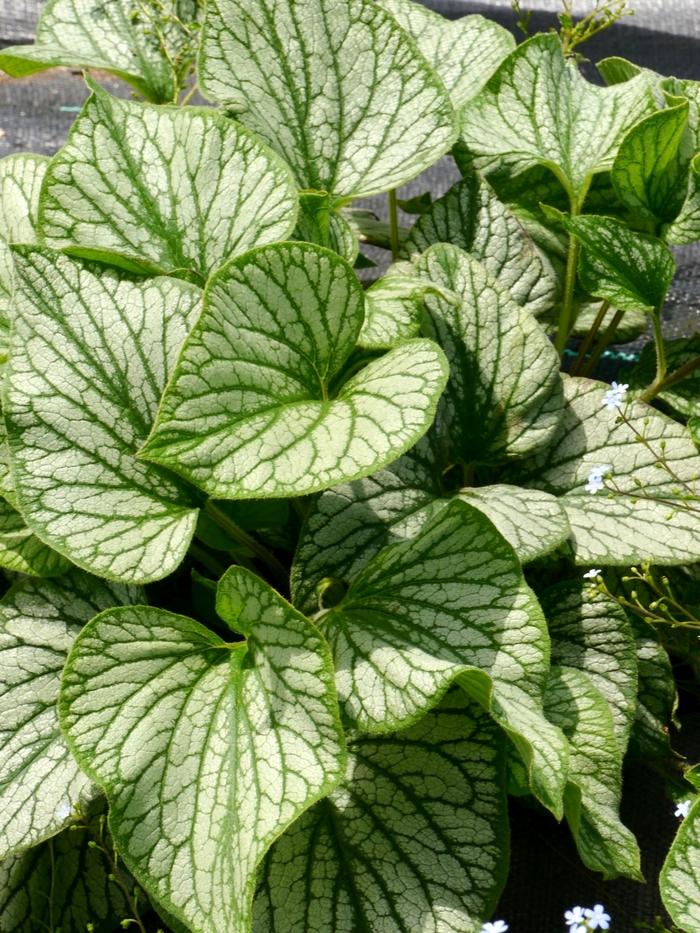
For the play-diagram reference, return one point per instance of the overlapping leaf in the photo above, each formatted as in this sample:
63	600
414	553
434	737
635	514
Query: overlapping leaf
109	36
449	604
206	750
591	633
595	782
657	697
339	90
471	217
162	188
463	52
62	883
40	783
414	839
93	353
680	875
646	511
262	416
537	109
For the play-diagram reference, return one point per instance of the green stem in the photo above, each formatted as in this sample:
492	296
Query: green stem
588	339
661	365
676	376
394	225
607	337
189	95
276	567
206	559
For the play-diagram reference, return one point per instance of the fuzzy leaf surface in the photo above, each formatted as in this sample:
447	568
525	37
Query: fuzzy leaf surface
415	838
450	604
206	751
471	217
595	783
338	90
105	36
538	109
93	353
165	189
591	633
260	417
464	52
645	512
40	782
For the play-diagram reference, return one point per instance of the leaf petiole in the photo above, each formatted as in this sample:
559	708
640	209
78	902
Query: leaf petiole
275	566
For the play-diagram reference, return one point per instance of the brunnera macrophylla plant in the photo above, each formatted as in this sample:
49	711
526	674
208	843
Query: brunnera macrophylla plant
306	575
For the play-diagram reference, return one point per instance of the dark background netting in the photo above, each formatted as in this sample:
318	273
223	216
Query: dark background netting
546	875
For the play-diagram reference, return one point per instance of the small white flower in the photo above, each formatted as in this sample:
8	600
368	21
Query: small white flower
591	575
597	918
595	478
615	396
63	811
498	926
683	809
576	920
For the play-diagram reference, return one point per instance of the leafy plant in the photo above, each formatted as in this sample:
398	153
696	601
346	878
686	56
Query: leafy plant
299	563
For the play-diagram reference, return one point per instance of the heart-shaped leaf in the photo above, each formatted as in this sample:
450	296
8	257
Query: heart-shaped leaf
463	52
252	409
538	109
40	783
206	750
595	782
649	506
113	37
339	90
164	189
471	217
450	604
433	797
93	352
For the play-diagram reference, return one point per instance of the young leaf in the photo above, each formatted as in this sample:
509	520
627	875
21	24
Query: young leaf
107	36
649	508
339	90
683	397
591	633
261	416
503	368
320	223
450	604
61	884
649	174
631	270
164	189
40	783
679	880
206	750
393	308
21	176
93	353
415	838
539	110
463	52
593	794
471	217
657	696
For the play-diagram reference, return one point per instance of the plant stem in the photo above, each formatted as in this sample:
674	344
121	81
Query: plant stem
189	95
276	567
588	339
661	365
567	305
394	225
676	376
607	337
206	559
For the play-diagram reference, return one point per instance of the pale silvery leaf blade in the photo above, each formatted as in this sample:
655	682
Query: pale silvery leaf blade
679	880
657	697
538	109
164	188
595	781
471	217
449	604
269	421
22	551
590	632
433	797
206	750
108	37
348	69
463	52
41	785
21	177
92	356
683	397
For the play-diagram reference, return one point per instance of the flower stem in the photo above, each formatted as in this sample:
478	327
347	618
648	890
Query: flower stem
590	336
394	225
275	566
607	337
676	376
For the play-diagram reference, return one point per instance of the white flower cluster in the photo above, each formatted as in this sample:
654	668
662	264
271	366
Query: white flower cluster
615	396
592	574
498	926
683	809
584	919
595	478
